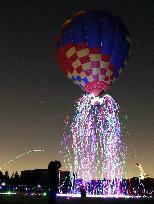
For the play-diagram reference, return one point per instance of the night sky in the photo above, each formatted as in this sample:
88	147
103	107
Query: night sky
35	96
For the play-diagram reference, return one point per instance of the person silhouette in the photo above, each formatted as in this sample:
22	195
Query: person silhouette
53	178
83	192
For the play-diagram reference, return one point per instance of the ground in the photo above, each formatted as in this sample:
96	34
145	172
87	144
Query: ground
21	199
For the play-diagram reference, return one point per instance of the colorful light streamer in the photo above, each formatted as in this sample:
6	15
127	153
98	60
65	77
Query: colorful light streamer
92	145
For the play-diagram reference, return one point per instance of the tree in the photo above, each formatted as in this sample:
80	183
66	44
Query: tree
1	177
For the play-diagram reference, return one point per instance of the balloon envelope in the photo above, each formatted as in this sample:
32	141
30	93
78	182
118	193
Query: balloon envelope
93	49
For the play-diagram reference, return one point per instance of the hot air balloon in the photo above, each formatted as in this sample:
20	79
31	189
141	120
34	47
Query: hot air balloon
93	49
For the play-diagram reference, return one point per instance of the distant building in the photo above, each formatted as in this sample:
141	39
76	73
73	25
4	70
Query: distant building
41	176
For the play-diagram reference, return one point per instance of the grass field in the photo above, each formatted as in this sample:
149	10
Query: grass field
16	199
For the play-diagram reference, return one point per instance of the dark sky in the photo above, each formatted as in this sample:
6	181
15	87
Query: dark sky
35	96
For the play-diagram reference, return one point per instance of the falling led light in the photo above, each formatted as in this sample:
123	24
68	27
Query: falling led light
71	195
92	145
20	156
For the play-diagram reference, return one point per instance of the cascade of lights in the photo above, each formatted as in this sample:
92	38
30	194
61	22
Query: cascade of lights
92	146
